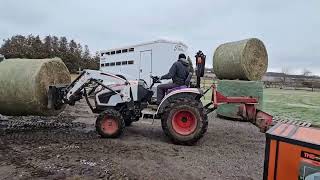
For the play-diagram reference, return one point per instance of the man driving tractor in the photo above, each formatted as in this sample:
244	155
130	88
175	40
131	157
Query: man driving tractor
180	75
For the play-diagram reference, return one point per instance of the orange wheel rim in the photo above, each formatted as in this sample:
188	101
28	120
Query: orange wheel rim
109	125
184	122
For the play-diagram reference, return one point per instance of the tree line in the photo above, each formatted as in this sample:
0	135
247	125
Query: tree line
73	54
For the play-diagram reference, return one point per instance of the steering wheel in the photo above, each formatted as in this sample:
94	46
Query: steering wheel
155	79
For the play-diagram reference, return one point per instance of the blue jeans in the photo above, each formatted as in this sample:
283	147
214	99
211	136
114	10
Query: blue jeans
162	89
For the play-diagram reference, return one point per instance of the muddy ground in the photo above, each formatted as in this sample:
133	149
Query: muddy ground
67	147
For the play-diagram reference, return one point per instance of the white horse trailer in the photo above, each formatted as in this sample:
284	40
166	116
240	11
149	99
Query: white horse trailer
142	60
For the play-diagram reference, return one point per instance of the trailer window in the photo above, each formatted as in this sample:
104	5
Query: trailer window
102	65
113	52
112	64
107	64
124	62
131	49
124	50
130	62
118	51
118	63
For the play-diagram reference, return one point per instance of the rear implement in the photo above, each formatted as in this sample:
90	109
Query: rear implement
247	108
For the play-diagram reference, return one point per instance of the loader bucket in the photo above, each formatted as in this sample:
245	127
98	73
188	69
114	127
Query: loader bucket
55	97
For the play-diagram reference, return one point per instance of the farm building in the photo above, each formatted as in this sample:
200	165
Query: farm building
142	60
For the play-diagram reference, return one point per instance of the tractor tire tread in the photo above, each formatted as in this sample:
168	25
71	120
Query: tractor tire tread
113	113
194	104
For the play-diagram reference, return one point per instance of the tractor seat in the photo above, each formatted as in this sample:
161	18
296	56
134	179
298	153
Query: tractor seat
177	88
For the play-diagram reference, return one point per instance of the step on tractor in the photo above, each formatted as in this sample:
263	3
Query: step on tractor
119	102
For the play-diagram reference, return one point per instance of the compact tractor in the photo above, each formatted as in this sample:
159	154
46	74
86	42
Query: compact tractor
120	102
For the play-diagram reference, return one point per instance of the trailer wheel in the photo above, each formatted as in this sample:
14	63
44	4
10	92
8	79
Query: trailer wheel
184	121
110	124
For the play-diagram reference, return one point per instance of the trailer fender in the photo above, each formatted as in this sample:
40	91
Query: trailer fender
192	93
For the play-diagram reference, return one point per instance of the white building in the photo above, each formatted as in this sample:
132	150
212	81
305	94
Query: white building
142	60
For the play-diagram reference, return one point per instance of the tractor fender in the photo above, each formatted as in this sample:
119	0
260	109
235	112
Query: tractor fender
192	93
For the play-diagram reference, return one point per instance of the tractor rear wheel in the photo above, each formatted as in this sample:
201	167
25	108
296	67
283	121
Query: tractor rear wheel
184	121
110	124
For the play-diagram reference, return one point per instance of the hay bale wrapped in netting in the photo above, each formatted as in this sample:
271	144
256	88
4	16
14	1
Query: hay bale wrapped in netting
238	88
244	60
24	85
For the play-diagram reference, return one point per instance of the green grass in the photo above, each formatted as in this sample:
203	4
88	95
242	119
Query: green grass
298	105
293	104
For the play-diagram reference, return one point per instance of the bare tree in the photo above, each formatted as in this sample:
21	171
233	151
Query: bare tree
191	69
308	79
284	78
306	72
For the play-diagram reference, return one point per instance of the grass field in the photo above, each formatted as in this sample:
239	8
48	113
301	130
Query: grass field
298	105
293	104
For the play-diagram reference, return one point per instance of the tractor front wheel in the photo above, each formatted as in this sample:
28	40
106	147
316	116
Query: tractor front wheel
184	121
110	124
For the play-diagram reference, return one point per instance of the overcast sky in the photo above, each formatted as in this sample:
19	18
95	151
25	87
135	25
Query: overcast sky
290	29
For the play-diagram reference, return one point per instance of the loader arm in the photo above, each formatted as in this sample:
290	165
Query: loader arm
68	94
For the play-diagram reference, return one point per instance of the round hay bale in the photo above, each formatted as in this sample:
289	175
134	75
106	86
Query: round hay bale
243	60
24	85
238	88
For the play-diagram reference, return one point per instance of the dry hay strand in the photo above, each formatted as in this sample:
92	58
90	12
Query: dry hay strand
244	60
24	85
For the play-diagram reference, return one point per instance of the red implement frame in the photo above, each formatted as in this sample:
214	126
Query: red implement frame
247	108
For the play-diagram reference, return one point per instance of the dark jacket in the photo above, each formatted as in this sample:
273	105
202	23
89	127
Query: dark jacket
178	72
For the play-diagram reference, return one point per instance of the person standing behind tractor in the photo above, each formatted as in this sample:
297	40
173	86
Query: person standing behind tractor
180	75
